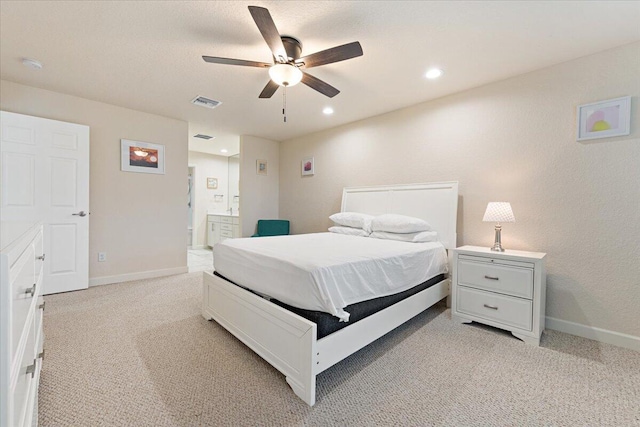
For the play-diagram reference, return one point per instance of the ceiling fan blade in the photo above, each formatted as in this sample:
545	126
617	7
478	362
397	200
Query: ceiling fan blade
319	85
269	89
230	61
269	32
335	54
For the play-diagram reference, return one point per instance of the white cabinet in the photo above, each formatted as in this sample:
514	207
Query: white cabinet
213	230
221	227
502	289
21	333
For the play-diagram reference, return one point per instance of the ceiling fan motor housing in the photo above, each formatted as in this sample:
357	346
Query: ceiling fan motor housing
292	46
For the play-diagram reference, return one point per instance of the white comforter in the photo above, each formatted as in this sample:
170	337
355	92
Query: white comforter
327	271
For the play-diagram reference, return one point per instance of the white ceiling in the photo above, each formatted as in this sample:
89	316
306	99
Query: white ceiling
146	55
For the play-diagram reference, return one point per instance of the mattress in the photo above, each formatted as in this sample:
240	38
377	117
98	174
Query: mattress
328	324
327	271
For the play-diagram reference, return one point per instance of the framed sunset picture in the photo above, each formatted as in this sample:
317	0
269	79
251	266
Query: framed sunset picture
143	157
604	119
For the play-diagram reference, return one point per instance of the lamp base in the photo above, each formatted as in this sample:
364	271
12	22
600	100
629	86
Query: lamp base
497	245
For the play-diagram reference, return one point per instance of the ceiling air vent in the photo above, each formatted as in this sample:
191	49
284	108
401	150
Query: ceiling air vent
201	136
205	102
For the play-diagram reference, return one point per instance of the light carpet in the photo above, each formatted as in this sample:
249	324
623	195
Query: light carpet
140	354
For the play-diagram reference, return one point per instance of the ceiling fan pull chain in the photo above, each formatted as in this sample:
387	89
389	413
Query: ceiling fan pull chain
284	103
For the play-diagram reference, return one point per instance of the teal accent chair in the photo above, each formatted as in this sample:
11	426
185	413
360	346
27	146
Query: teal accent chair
272	227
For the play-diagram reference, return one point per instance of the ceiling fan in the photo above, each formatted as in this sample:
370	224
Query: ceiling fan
286	69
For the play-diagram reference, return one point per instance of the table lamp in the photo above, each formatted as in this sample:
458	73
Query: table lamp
498	212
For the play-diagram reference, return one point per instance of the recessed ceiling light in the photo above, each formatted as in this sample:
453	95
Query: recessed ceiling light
433	73
32	63
327	110
224	150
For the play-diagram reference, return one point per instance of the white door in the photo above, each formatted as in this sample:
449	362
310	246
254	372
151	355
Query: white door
45	177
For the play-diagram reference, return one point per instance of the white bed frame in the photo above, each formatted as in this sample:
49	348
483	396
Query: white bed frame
287	341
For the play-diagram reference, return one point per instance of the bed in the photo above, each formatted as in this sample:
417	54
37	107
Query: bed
280	334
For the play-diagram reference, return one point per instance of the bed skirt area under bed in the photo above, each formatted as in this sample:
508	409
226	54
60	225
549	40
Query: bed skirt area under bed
328	324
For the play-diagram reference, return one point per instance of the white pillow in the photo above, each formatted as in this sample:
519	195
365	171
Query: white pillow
351	231
419	237
353	219
393	223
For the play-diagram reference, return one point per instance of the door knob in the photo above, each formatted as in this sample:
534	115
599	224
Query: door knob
81	213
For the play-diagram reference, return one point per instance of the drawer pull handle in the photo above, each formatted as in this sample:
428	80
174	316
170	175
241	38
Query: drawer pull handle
41	306
31	369
491	277
41	257
31	290
492	307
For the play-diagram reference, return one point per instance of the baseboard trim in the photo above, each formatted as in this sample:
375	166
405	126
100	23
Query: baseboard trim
108	280
597	334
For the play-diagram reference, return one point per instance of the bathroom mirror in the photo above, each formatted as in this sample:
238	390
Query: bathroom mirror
233	163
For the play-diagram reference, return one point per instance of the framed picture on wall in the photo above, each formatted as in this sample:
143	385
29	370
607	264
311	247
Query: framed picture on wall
307	166
604	119
212	183
143	157
261	167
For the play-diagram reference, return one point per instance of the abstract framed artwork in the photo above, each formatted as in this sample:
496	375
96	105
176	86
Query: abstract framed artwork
212	183
308	167
143	157
604	119
261	167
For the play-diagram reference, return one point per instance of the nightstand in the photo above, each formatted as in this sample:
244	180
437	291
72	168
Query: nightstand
506	290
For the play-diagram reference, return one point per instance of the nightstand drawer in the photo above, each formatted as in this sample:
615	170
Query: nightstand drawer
515	312
505	279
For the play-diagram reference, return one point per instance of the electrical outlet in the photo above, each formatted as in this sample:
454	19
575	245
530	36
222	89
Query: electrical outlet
102	256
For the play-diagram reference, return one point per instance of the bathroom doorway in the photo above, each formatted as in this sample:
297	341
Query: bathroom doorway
199	258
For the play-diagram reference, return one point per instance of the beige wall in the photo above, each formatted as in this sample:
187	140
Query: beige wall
208	165
258	193
138	219
509	141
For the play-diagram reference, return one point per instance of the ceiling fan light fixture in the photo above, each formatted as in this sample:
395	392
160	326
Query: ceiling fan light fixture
285	74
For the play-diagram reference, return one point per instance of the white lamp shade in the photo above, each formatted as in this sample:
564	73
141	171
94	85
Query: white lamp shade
285	74
499	212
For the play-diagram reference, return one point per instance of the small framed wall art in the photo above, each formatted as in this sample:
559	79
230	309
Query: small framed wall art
143	157
212	183
308	166
604	119
261	167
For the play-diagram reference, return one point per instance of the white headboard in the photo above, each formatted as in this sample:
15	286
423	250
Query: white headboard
435	202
